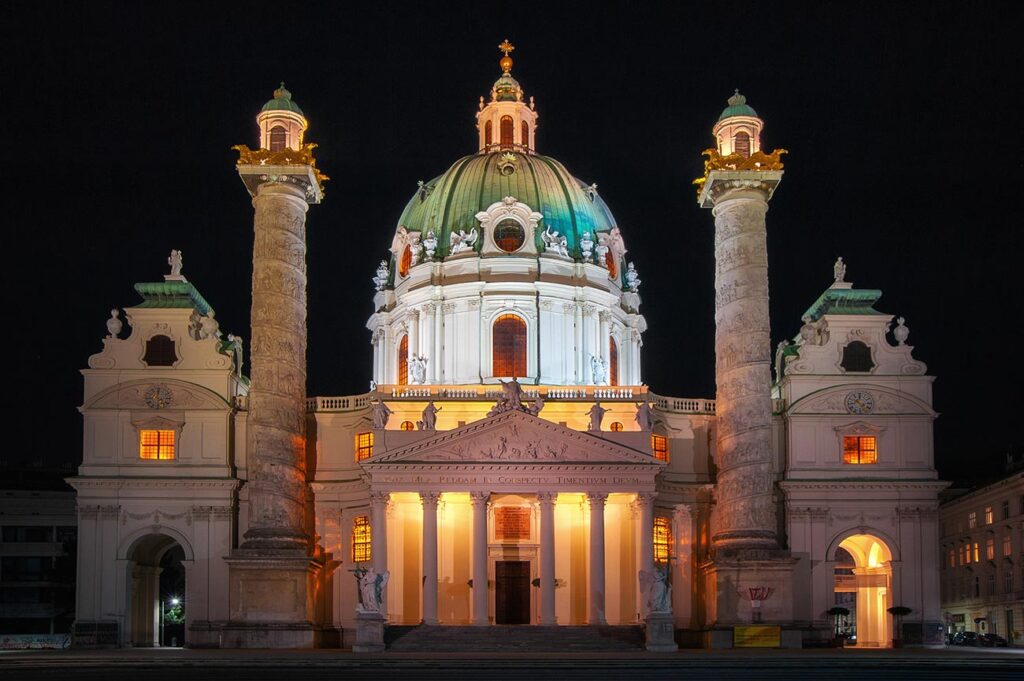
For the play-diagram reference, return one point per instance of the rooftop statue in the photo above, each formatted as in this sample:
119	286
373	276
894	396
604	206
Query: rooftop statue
596	415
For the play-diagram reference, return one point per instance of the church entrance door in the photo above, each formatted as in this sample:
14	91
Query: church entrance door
512	592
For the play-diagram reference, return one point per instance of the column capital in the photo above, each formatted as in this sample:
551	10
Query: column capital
379	497
479	498
547	498
646	498
597	498
430	498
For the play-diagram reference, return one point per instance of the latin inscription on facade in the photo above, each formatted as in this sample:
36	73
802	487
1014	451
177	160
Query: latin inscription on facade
512	523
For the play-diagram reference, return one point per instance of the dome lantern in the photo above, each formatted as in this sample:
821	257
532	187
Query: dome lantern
507	122
281	122
738	130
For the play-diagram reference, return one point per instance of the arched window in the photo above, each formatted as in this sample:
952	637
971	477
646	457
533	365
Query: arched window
403	361
364	446
488	134
160	352
406	261
507	129
508	341
613	362
662	540
616	426
857	357
526	134
278	138
742	144
609	262
408	425
361	539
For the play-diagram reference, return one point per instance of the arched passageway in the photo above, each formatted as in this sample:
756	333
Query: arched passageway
863	585
157	592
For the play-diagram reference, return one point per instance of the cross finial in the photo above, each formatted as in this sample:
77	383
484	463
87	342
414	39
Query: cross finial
506	47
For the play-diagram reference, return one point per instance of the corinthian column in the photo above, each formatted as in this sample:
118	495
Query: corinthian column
276	428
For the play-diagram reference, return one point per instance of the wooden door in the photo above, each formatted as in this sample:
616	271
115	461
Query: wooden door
512	592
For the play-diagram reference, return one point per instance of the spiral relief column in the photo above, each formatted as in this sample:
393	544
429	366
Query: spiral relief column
276	575
738	182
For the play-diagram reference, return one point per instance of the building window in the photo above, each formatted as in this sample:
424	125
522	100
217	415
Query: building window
1007	580
743	144
616	426
406	262
278	138
977	553
403	361
972	519
860	449
990	548
659	446
1006	509
662	540
961	553
488	134
952	558
506	128
361	539
408	425
509	235
364	446
613	362
526	134
156	444
508	342
1007	543
160	352
988	515
609	262
857	357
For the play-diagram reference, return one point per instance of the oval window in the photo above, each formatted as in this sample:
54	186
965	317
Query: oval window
509	235
609	261
406	262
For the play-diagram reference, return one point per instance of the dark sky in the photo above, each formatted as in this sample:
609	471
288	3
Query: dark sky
900	118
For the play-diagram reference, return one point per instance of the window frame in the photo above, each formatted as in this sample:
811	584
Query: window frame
662	540
165	422
862	452
518	365
361	543
363	444
657	439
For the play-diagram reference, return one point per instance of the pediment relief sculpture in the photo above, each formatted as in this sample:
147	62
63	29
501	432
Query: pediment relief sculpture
156	396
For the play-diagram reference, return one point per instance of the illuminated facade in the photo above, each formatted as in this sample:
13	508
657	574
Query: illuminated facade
508	465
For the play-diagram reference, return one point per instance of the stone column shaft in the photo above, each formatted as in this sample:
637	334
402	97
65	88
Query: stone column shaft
745	505
379	537
645	500
436	361
547	557
597	576
414	333
429	501
277	398
481	605
428	341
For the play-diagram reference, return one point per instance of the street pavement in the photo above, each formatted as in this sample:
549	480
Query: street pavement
961	664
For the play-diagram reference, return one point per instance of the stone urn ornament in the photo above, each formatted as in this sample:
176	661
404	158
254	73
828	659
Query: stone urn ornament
381	277
901	332
114	324
587	246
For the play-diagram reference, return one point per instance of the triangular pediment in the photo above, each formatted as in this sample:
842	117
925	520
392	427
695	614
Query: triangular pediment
514	437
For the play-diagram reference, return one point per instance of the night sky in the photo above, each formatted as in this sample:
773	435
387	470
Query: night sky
905	159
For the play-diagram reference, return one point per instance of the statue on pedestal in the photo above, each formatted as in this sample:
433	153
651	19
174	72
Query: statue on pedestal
839	271
596	414
656	588
381	277
598	370
418	370
175	261
371	588
429	421
381	413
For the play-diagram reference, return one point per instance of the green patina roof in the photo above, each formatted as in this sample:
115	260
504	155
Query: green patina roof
473	183
282	101
738	107
845	301
179	294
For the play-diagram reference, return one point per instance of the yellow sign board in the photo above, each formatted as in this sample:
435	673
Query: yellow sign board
757	636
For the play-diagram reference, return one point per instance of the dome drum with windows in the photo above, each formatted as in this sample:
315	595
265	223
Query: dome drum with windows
507	234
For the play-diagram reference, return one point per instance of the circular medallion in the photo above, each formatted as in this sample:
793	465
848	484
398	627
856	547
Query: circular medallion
509	235
860	402
158	397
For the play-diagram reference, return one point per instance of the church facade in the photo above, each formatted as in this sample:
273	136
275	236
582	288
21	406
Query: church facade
509	466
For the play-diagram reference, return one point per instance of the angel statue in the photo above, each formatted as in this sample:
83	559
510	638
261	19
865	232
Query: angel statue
655	586
418	370
599	370
554	242
371	588
460	241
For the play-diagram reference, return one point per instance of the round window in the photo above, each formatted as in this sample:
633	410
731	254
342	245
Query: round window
509	235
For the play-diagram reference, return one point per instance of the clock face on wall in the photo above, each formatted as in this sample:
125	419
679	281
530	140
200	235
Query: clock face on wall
158	397
859	402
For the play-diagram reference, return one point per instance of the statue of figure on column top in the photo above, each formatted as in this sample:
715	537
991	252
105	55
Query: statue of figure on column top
381	413
596	415
839	270
175	261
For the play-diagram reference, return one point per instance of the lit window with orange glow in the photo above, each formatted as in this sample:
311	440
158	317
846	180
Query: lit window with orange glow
613	362
408	425
860	449
508	342
977	553
364	446
403	361
659	447
156	444
506	128
662	540
361	539
616	426
406	262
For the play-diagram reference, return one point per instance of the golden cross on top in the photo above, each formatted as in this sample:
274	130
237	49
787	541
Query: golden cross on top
506	47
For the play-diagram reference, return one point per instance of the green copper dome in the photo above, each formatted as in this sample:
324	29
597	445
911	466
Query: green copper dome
451	201
282	101
738	107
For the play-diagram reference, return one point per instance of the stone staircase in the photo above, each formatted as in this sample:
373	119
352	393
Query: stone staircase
513	639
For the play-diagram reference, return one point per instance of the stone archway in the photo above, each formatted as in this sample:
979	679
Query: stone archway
156	586
863	585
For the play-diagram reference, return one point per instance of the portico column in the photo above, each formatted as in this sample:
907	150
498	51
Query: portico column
547	557
429	501
597	582
480	592
379	537
645	500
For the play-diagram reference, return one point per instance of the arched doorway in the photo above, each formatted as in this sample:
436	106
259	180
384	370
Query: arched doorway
157	592
863	585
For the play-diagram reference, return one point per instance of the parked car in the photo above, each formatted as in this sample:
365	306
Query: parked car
965	638
992	641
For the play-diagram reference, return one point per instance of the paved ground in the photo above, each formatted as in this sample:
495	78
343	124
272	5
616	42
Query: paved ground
961	664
